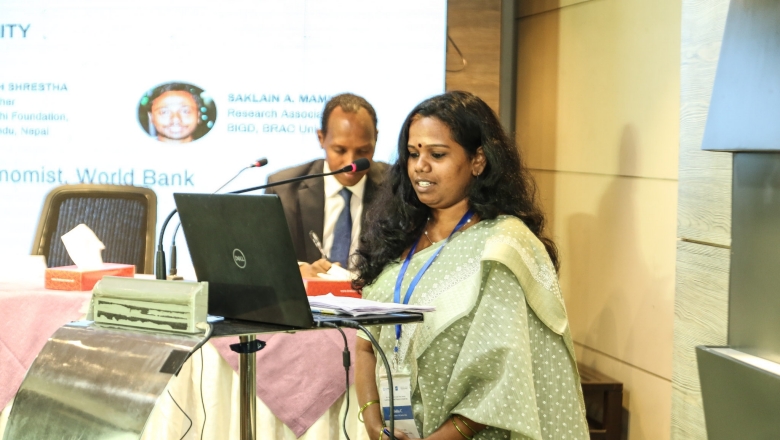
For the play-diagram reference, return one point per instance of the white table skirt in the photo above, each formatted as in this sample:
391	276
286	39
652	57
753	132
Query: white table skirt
220	395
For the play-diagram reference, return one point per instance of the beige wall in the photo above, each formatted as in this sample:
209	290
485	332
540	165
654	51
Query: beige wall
598	122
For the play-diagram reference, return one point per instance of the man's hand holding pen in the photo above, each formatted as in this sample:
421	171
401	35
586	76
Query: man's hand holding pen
320	266
311	270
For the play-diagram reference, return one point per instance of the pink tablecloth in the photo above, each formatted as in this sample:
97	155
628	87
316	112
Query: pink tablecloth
28	317
299	376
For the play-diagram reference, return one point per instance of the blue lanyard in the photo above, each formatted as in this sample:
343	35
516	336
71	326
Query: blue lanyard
397	292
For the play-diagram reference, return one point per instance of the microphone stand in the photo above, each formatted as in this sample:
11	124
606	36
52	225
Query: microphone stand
356	166
172	271
159	256
353	167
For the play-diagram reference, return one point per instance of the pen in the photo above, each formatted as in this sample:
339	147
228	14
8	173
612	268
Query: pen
318	243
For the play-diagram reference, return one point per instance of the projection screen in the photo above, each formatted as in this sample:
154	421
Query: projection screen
77	77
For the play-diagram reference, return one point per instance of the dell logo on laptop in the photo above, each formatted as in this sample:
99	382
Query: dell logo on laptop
239	259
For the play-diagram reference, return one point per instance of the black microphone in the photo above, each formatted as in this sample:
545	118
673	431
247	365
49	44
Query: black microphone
259	163
159	257
361	164
356	166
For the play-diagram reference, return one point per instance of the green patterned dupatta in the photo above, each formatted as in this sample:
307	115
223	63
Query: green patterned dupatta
498	348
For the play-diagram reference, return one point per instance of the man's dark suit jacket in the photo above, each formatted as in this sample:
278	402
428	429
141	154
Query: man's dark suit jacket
304	203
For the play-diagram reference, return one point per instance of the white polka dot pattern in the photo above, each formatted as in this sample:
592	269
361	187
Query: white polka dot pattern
496	362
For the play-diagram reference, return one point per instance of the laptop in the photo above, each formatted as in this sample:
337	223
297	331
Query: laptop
241	245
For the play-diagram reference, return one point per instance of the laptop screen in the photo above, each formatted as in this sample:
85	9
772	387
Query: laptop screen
241	245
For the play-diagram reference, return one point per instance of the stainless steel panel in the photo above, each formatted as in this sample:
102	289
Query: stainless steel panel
741	397
745	109
95	383
754	299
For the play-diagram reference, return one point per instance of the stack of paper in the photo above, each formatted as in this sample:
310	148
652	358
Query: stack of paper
358	306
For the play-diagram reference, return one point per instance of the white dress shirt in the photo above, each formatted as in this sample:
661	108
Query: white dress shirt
334	204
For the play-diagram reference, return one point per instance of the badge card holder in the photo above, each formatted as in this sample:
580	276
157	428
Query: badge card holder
402	390
402	397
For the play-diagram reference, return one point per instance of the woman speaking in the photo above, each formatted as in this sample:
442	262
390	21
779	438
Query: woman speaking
457	226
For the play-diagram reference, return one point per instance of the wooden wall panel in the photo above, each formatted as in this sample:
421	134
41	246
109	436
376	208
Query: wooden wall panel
705	177
618	90
616	237
598	118
532	7
704	216
475	26
700	318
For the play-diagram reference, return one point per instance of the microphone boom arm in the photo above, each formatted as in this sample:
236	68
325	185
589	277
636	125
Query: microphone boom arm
283	182
159	257
361	164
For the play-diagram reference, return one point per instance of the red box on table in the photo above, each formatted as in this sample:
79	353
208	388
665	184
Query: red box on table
322	286
72	278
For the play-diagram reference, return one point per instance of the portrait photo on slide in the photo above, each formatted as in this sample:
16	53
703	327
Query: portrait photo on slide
176	112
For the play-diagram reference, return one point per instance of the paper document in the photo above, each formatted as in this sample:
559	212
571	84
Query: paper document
358	306
337	273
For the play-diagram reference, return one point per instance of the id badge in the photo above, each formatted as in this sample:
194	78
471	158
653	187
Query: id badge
402	402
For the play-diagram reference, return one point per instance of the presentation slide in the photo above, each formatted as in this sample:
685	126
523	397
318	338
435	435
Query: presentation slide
240	80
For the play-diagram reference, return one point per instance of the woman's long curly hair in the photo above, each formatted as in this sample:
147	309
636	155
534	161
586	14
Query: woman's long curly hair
396	217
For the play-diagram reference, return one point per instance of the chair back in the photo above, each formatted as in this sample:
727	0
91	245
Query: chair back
123	217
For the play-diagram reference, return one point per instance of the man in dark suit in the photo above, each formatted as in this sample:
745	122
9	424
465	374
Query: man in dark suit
333	207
